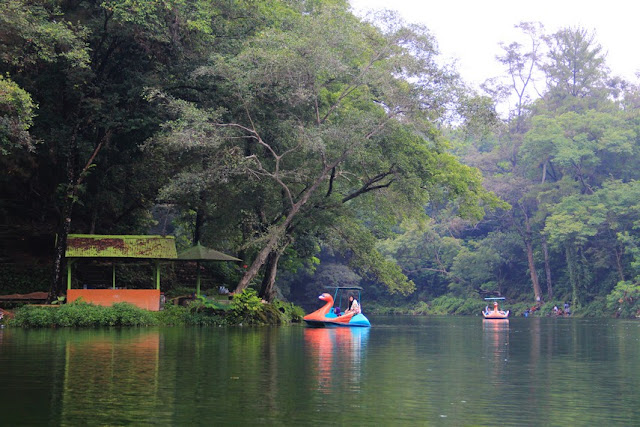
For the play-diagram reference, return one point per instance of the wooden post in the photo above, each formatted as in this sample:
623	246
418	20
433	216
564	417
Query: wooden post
69	274
157	275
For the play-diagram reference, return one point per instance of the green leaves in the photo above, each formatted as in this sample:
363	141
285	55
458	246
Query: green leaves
38	33
576	67
584	146
17	111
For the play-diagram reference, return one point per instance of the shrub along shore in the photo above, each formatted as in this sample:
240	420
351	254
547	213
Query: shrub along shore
245	309
248	309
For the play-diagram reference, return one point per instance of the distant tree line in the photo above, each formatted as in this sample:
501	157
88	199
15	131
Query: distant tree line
565	156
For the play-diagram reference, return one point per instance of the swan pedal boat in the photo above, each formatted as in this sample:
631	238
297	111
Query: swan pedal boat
495	313
326	318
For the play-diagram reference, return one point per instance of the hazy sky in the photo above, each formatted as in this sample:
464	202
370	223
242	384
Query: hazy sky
470	31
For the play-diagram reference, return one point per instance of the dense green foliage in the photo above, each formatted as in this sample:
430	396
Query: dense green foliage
20	279
269	129
565	158
311	142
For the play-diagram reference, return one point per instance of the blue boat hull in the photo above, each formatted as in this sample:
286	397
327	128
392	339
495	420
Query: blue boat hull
357	321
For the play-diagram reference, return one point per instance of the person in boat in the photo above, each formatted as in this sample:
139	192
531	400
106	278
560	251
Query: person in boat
353	306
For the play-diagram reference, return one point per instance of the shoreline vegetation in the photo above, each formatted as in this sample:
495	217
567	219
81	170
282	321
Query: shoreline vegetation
448	305
247	309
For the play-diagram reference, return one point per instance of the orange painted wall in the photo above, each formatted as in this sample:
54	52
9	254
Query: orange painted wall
149	299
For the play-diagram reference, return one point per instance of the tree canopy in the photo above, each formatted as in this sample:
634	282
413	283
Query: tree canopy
294	133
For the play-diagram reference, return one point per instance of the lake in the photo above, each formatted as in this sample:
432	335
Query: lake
402	371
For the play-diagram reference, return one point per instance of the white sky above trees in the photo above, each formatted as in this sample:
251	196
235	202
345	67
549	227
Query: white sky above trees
469	31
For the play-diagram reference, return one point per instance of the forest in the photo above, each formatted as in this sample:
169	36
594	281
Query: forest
323	149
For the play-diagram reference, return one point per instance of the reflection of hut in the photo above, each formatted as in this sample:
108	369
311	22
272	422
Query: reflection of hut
201	253
119	248
115	372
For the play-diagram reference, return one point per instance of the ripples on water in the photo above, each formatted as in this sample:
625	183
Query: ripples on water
402	371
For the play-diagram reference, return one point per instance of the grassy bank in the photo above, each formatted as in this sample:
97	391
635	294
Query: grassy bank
245	309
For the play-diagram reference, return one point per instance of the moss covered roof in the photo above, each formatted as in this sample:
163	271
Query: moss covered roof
104	246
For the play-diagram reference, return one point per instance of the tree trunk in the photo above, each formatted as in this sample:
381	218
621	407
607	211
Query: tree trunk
547	267
260	259
201	210
618	255
579	274
74	180
280	231
532	269
537	292
573	273
59	260
198	225
267	290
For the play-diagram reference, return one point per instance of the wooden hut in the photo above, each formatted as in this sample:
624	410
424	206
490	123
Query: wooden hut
114	248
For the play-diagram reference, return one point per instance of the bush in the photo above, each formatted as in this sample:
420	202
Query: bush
204	303
247	308
82	314
624	299
448	304
289	311
596	308
33	316
172	315
375	308
205	318
77	314
421	309
129	315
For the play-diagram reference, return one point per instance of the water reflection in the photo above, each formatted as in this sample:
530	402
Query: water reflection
404	371
337	355
496	348
105	371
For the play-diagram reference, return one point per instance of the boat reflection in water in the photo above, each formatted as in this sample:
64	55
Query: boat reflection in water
496	346
337	355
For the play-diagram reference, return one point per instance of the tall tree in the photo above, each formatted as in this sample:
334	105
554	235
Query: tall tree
329	112
575	70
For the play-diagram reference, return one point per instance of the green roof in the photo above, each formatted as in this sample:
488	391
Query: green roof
202	253
102	246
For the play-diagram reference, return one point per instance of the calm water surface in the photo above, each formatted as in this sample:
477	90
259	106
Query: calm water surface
402	371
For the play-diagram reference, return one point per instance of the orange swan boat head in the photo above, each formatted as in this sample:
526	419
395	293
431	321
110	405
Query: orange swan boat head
321	313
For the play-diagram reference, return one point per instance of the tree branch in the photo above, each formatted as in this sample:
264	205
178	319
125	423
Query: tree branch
368	186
